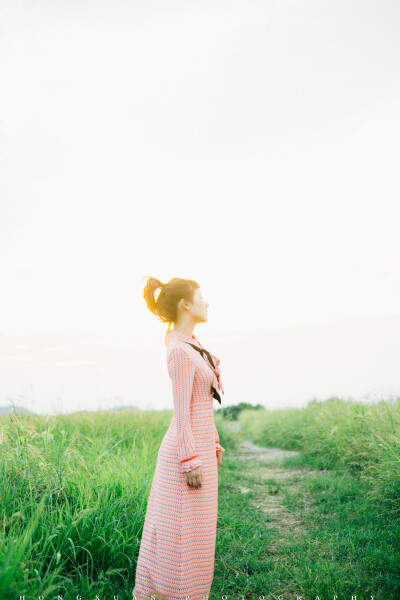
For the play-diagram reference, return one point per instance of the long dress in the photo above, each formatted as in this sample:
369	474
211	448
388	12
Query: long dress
177	550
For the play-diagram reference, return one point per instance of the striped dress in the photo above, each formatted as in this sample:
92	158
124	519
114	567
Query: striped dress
177	550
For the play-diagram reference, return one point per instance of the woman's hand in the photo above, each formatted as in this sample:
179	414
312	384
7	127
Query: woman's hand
194	477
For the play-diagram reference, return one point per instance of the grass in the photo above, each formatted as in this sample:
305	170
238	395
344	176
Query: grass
341	546
74	493
362	439
90	474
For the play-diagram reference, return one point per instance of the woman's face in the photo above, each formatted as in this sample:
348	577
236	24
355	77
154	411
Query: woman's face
199	307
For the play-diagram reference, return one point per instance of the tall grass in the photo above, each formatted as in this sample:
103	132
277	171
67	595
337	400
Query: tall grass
363	439
73	494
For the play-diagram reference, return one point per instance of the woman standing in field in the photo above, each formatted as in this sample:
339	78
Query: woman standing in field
177	550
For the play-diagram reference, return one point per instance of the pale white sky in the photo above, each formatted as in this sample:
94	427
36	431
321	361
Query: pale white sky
251	146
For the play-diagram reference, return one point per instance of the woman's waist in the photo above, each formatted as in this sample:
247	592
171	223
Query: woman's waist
204	444
197	421
202	430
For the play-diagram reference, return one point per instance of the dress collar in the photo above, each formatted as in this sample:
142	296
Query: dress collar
183	337
217	383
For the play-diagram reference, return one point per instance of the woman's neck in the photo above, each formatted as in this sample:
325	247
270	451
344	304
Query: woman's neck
186	329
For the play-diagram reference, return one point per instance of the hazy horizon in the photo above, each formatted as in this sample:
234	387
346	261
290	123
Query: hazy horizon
279	368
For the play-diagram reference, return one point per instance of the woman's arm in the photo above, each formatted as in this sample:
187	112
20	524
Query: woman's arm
181	371
218	446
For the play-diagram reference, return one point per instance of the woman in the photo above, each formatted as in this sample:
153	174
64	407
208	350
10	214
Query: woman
177	551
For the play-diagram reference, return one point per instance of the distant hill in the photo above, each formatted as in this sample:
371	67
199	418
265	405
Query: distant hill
123	408
104	410
4	410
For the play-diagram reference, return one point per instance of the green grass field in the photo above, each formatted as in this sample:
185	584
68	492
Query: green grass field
325	522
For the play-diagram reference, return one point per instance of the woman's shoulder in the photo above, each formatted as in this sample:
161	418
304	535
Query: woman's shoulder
177	347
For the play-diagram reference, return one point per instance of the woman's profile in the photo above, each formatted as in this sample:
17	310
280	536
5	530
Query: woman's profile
177	550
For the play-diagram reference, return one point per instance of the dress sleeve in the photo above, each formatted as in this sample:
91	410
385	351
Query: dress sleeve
217	444
181	371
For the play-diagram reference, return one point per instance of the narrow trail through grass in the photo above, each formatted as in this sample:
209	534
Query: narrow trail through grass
270	480
286	529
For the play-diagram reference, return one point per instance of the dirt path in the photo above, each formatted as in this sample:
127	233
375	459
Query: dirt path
266	476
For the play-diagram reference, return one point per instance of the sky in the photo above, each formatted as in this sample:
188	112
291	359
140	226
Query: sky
251	146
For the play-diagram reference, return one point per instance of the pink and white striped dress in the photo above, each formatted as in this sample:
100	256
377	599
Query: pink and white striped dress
177	550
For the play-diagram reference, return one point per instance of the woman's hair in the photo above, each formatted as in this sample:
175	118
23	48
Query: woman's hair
165	307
